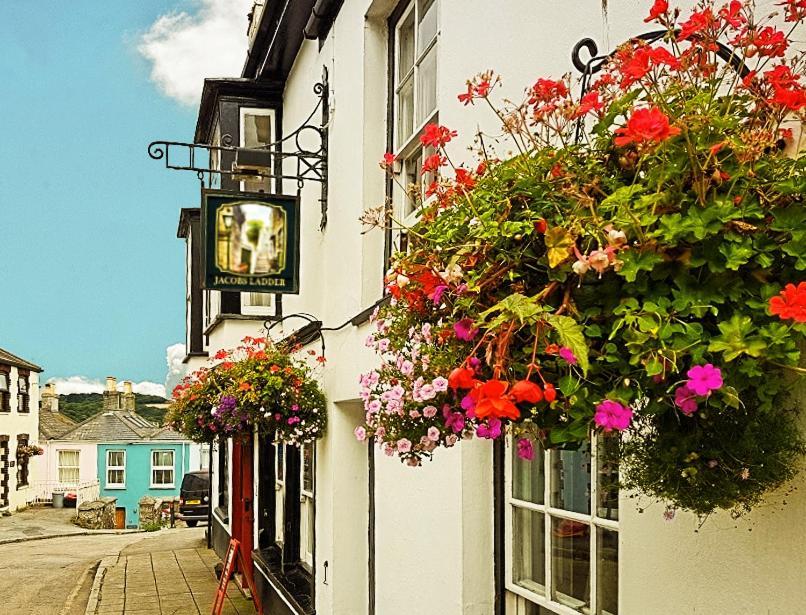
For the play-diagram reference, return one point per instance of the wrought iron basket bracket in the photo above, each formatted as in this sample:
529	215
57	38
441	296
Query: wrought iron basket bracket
311	161
596	62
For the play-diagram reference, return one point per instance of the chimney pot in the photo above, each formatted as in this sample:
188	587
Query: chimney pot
111	384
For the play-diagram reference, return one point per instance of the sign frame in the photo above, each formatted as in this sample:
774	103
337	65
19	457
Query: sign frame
286	281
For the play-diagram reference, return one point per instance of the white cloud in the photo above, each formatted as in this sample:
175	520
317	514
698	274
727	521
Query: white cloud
82	384
176	369
184	48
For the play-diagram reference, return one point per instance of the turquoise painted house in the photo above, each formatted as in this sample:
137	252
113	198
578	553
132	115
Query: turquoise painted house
135	458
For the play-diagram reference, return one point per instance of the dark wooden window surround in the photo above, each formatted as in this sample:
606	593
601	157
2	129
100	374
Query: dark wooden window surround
24	391
5	388
22	462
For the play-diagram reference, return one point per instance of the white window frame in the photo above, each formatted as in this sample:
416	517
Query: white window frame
521	596
249	305
409	152
171	467
76	467
307	513
258	111
122	468
279	488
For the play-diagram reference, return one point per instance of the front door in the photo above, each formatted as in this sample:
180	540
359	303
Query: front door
120	518
243	514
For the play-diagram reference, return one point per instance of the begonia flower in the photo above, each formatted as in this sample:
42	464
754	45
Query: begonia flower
462	378
465	330
526	449
492	401
526	391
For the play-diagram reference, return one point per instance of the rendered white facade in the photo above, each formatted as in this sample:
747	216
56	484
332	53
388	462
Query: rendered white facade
434	526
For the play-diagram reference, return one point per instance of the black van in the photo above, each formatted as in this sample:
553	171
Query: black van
194	497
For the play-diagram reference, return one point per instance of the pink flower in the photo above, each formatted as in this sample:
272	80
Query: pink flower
455	421
599	260
374	406
436	295
440	384
360	434
415	414
427	392
451	439
702	379
433	434
388	449
407	368
491	430
429	412
568	355
685	399
403	445
525	449
465	330
612	415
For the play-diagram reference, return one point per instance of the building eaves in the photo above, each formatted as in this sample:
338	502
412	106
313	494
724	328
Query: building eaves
12	359
186	216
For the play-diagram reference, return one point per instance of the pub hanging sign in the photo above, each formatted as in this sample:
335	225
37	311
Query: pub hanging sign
251	242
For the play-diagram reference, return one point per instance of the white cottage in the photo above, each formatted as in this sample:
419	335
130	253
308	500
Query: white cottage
342	529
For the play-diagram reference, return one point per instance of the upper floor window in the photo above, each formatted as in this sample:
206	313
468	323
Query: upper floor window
23	395
256	303
5	389
115	469
562	531
413	76
257	131
68	466
162	469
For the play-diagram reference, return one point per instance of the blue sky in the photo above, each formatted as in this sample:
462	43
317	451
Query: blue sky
91	272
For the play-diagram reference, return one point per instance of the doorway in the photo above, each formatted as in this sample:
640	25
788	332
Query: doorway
243	514
120	518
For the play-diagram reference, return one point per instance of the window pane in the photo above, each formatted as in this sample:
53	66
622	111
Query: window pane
163	477
115	458
405	111
280	449
607	455
571	479
412	184
528	479
258	299
68	458
607	575
256	130
163	458
3	382
114	477
427	30
528	549
405	47
427	86
570	562
307	468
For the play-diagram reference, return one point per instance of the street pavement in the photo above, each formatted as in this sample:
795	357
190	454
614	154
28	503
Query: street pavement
44	522
177	580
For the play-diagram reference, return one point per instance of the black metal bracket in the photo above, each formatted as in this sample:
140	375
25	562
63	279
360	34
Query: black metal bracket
311	161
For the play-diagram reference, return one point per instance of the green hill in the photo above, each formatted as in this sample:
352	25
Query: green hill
81	406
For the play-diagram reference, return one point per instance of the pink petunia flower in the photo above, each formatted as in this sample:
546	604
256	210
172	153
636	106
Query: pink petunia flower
465	330
526	450
429	412
568	355
403	445
612	415
702	379
433	434
360	434
686	400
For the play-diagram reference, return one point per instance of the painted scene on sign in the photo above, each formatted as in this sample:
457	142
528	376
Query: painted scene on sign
250	238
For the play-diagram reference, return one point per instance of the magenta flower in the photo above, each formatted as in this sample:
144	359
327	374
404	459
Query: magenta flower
436	296
465	330
491	430
686	400
455	421
612	415
525	449
568	355
702	379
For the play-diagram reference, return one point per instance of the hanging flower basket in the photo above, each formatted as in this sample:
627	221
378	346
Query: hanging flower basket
256	387
643	279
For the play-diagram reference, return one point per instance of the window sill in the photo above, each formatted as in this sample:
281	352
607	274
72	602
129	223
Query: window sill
162	487
293	583
115	487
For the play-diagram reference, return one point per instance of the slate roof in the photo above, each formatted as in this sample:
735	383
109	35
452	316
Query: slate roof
12	359
53	425
117	426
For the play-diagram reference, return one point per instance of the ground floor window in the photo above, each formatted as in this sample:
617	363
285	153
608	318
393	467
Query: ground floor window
223	476
22	462
561	530
162	469
68	466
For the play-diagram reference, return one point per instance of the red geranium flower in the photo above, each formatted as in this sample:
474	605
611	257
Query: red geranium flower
732	14
790	303
698	23
437	136
795	9
432	163
768	41
658	10
589	102
546	90
387	160
646	126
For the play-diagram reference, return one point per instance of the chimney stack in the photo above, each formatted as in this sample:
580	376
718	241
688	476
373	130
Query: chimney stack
50	399
111	395
128	396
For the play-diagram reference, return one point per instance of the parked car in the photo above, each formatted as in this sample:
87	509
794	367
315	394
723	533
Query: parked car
194	497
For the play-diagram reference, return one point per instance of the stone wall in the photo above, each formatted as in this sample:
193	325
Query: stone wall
97	515
150	510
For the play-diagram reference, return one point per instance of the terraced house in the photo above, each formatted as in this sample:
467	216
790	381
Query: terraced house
338	527
19	418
